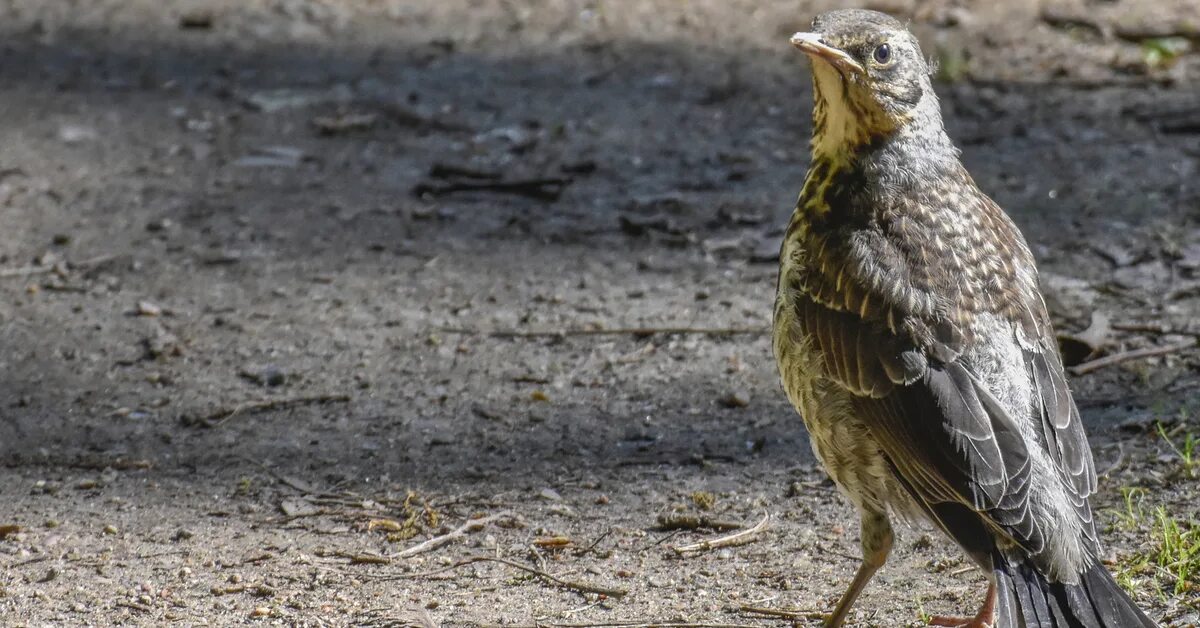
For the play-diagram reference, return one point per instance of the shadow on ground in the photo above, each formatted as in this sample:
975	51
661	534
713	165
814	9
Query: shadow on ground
203	181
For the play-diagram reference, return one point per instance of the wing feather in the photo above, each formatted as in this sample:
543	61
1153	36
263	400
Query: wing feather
944	430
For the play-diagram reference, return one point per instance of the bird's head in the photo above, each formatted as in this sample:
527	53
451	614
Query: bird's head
870	79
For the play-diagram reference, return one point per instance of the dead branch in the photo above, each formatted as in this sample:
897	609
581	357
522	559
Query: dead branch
472	525
1126	356
738	538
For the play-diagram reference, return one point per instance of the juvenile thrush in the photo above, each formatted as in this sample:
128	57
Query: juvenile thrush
910	334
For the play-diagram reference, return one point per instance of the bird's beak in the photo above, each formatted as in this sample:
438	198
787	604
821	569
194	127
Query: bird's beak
811	45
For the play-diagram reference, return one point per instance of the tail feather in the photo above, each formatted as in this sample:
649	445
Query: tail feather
1025	599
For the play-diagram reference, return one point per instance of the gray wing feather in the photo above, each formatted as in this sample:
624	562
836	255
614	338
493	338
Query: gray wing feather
945	432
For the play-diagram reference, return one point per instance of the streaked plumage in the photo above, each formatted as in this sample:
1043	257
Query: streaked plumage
911	335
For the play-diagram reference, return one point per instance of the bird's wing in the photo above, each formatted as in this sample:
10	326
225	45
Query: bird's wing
946	433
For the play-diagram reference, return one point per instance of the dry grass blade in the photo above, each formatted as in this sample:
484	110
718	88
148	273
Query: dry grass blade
738	538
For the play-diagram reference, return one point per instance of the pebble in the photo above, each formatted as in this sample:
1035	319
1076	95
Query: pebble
146	308
75	134
736	399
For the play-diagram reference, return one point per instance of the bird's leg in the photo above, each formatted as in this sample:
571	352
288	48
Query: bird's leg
983	619
876	545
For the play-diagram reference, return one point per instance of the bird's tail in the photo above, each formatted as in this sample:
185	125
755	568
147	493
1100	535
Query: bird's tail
1026	599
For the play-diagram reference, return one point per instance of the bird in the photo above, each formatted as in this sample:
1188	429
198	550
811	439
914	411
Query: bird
911	335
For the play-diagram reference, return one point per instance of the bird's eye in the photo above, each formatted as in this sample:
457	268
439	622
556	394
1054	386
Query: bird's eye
882	54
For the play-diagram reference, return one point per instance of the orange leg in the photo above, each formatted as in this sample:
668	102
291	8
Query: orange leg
984	619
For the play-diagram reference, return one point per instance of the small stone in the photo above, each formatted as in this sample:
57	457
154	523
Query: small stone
75	134
162	224
261	611
550	494
146	308
268	375
197	18
736	399
110	529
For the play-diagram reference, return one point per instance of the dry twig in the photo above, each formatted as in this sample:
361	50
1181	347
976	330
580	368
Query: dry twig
473	525
694	522
583	587
218	418
1158	329
1126	356
26	271
786	614
545	188
570	584
738	538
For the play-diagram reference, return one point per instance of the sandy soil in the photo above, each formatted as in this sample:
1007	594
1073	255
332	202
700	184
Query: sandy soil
250	353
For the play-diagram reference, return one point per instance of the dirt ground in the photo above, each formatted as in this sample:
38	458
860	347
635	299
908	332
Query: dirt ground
258	259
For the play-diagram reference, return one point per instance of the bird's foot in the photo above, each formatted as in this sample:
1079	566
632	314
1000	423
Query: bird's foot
985	618
960	622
